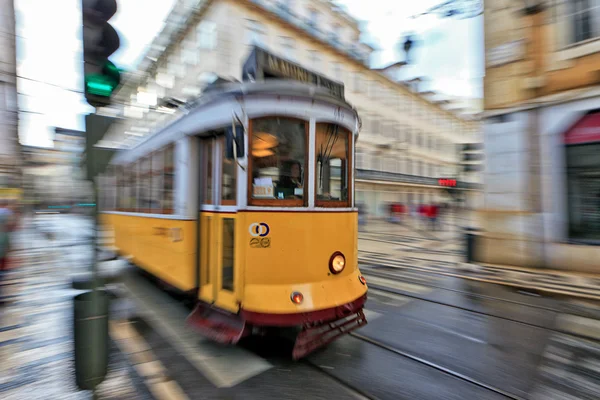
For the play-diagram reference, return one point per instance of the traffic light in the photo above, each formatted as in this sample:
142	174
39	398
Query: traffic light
100	40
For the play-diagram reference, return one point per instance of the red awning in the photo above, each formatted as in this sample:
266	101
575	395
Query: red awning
586	130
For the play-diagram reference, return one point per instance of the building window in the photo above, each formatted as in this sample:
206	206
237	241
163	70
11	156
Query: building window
207	35
288	46
313	19
358	82
175	68
372	88
583	188
313	57
255	34
390	164
335	33
337	71
286	5
376	126
375	162
585	19
189	56
360	159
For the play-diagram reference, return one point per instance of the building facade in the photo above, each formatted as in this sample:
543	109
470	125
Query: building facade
542	134
406	142
9	143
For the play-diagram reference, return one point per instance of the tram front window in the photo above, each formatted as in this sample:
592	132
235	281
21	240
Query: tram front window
278	149
332	165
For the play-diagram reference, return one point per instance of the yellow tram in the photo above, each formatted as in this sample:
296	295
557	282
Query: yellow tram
246	202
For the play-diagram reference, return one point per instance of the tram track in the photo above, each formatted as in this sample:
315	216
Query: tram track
482	313
357	392
436	366
424	282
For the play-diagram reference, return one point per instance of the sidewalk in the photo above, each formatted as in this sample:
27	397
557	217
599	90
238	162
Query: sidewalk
36	343
445	256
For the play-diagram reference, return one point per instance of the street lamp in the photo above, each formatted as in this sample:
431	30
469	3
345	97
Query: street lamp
461	9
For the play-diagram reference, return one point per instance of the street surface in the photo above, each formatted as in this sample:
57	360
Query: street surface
431	335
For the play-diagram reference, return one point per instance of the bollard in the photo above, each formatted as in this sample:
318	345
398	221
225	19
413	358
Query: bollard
90	328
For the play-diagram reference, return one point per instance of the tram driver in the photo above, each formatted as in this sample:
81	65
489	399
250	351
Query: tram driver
290	182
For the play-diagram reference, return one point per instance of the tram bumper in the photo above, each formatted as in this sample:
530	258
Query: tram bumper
317	335
318	328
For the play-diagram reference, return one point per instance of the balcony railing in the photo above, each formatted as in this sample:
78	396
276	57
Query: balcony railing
283	11
372	175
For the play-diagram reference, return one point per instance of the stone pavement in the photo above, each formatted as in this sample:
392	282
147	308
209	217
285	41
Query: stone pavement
36	343
442	252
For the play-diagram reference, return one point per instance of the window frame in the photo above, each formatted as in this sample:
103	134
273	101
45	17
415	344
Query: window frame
278	202
171	168
208	145
155	172
349	172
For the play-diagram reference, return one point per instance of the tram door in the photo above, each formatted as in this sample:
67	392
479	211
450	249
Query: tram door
217	226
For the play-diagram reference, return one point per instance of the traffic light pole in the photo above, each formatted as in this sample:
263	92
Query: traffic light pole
101	77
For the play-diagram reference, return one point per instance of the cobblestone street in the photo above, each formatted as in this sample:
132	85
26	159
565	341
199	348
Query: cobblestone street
36	334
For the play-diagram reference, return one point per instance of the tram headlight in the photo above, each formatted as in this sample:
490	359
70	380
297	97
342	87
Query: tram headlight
337	262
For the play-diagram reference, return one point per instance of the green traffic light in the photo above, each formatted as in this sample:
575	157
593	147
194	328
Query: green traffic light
105	83
99	86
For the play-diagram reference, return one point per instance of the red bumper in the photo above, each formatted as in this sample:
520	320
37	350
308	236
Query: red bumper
295	319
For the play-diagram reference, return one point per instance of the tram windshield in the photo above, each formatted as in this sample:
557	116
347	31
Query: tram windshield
279	154
333	165
279	163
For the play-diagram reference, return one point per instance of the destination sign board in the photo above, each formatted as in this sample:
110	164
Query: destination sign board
262	65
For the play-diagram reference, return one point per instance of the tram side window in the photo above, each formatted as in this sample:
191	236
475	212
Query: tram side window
157	182
278	166
127	188
207	155
145	182
120	188
136	185
333	165
169	178
228	178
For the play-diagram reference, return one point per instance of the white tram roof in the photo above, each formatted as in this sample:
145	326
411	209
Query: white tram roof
216	107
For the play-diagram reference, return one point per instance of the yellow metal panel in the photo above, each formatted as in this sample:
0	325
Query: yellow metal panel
295	255
275	299
164	247
211	266
298	246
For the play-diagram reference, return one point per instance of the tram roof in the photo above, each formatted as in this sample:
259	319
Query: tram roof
233	90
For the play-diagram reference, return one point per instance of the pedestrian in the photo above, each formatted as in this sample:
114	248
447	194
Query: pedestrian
5	228
433	215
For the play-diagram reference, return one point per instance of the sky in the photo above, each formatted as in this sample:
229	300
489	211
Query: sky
49	52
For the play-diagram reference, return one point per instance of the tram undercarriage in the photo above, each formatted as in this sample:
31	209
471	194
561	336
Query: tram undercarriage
315	329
